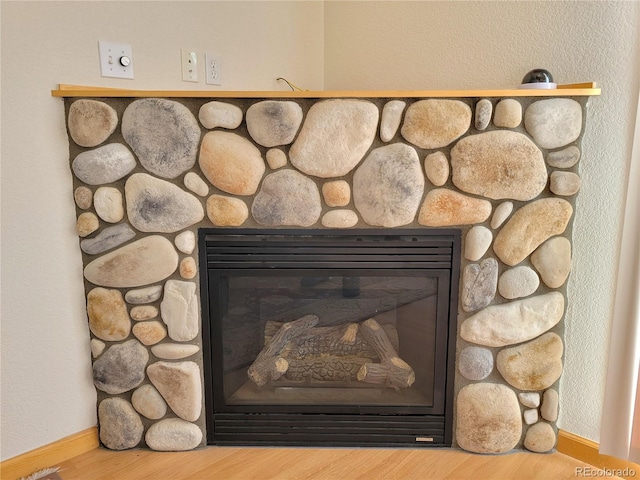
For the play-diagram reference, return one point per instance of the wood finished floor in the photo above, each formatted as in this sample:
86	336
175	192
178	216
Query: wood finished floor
248	463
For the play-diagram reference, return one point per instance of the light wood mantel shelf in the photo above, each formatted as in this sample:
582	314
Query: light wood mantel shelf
572	90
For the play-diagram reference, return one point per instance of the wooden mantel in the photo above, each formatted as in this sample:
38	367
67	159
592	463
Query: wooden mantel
569	90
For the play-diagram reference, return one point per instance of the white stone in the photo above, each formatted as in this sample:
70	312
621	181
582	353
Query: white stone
186	242
180	386
435	123
564	183
173	435
565	158
549	408
540	438
500	214
554	122
276	158
148	402
106	164
529	399
552	260
273	122
144	295
220	114
518	282
196	184
174	351
179	310
391	117
97	347
108	204
91	122
436	166
477	242
530	416
508	113
340	218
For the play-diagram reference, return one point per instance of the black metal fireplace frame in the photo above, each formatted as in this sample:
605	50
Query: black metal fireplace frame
437	250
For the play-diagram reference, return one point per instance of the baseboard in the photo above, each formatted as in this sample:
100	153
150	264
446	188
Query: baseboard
50	455
587	451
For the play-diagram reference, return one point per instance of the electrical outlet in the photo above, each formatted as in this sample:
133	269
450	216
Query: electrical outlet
189	65
116	60
213	69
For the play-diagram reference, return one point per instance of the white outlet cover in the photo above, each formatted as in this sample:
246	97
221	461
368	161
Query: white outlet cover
213	68
113	58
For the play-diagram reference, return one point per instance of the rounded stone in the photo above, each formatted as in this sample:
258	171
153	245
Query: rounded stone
518	282
108	238
273	122
120	425
436	166
443	207
174	351
173	435
565	158
106	164
180	386
186	242
391	118
500	214
564	183
552	260
144	295
108	204
220	114
149	333
91	122
164	135
121	367
549	407
276	158
540	438
479	284
108	316
148	402
508	113
224	211
435	123
83	197
340	218
554	122
484	108
97	347
529	399
188	268
530	416
143	312
336	193
475	363
477	242
87	223
196	184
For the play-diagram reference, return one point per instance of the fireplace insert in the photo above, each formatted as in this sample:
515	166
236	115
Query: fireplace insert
329	337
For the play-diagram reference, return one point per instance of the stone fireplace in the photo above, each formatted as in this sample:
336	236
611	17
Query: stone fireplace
152	170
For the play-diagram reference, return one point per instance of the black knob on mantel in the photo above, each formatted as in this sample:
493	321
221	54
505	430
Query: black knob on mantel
538	75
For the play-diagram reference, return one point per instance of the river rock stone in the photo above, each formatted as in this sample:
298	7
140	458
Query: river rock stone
529	227
565	158
529	399
83	197
340	218
144	295
121	367
142	262
108	238
149	333
196	184
475	363
87	223
173	435
487	418
186	242
174	351
564	183
164	135
220	114
273	122
514	322
500	214
155	205
534	365
552	260
336	193
287	198
484	109
141	313
477	242
554	122
224	211
108	204
148	402
179	310
499	164
179	384
91	122
388	186
549	407
540	438
518	282
120	426
443	207
105	164
435	123
508	113
530	416
188	268
334	138
231	163
479	284
108	316
276	158
97	347
436	166
391	118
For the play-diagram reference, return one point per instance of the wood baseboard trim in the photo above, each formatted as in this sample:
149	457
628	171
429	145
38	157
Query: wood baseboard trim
587	451
50	455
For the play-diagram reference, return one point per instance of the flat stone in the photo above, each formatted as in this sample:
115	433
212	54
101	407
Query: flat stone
549	407
487	418
477	242
540	438
149	333
340	218
336	193
148	402
529	227
534	365
87	223
108	238
514	322
144	295
120	425
436	166
518	282
97	347
273	122
508	113
220	114
188	268
83	197
179	310
391	118
500	214
484	109
335	136
276	158
142	262
552	260
155	205
499	164
144	312
105	164
287	198
565	158
479	284
174	351
475	363
554	122
231	163
530	416
388	186
564	183
529	399
186	242
196	184
164	135
173	435
224	211
120	368
179	384
108	316
108	204
91	122
443	207
435	123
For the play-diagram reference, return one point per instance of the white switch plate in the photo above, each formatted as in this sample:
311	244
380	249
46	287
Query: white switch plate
213	69
110	60
189	65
